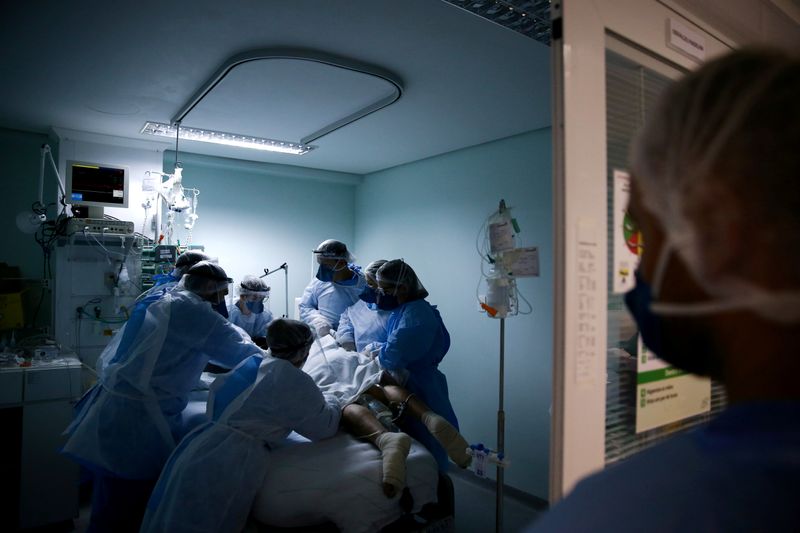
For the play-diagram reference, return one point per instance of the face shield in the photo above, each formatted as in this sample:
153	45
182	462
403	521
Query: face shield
253	294
290	340
208	281
328	258
397	278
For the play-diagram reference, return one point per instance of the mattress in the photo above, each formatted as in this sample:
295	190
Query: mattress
338	480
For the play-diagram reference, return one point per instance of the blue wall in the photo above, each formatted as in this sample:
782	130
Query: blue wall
429	212
255	216
20	153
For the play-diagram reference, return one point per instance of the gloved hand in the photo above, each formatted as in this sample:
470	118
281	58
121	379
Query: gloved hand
372	350
350	346
323	330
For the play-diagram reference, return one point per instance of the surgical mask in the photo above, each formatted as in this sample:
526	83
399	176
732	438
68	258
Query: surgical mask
387	302
325	273
682	342
220	308
639	301
368	295
256	307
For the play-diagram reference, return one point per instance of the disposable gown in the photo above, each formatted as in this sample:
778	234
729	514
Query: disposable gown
255	324
741	472
323	302
417	341
212	478
362	324
127	425
164	283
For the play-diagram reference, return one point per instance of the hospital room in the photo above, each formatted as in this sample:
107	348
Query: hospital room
418	121
333	266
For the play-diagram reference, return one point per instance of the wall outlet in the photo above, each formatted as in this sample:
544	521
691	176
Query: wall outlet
46	283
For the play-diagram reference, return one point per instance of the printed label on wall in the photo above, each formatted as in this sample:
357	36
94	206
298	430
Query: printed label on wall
665	394
588	304
682	38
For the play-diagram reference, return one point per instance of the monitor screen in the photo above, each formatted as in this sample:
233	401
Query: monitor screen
96	184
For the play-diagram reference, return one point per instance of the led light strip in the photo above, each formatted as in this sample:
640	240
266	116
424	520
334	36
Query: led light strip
228	139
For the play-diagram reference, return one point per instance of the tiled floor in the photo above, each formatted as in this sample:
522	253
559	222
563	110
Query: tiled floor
475	507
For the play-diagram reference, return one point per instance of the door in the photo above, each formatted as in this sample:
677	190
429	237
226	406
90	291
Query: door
611	59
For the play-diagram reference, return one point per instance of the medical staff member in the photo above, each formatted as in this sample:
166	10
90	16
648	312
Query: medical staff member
249	312
182	264
337	285
363	323
127	425
716	194
163	283
211	480
416	343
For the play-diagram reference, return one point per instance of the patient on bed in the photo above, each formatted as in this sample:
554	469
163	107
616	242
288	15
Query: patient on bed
349	376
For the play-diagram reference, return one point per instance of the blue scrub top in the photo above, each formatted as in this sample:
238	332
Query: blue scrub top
417	341
255	324
325	301
739	473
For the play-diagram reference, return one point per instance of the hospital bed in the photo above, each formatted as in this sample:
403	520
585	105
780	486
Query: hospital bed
335	485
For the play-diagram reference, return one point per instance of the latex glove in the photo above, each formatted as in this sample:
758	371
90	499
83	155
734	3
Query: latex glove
372	350
350	346
323	330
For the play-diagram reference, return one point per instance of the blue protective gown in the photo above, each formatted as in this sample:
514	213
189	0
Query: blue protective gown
212	478
739	473
127	425
255	324
163	283
417	342
362	324
323	302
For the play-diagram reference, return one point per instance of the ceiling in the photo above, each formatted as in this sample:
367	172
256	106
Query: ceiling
108	67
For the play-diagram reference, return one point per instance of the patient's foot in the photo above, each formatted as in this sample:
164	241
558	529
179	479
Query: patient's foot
394	449
448	436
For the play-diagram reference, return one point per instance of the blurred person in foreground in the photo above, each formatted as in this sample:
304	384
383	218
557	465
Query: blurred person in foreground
716	195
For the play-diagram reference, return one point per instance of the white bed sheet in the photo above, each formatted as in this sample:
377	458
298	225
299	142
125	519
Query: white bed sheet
338	480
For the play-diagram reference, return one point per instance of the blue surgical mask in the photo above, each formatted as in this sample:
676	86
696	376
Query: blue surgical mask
325	273
387	302
221	308
639	302
686	344
256	307
368	295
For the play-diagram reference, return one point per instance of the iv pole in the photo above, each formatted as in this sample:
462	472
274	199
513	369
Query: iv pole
285	268
501	426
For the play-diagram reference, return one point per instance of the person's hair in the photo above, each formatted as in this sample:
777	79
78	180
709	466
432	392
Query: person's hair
398	272
372	269
722	147
287	338
188	259
205	279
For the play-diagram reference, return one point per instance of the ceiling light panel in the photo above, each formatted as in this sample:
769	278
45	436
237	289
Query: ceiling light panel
284	93
228	139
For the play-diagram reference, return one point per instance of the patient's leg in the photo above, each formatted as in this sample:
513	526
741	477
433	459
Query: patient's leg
394	447
448	436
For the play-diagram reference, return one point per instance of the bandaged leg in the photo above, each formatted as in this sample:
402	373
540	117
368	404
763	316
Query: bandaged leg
448	436
394	449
